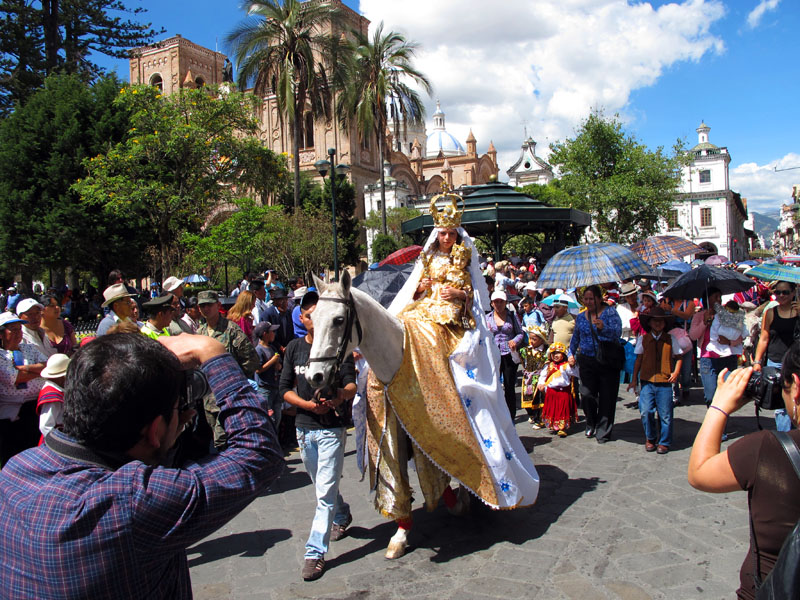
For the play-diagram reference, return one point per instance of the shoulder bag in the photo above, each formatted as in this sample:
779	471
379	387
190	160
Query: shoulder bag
610	355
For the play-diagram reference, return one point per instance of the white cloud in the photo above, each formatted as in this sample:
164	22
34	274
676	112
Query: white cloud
755	15
764	187
495	65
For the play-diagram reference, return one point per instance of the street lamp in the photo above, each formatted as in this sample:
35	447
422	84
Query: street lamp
323	166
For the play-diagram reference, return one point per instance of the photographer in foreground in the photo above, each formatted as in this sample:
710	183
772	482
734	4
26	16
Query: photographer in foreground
99	511
756	463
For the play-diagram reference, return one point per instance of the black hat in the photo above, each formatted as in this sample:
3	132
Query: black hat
656	313
156	305
263	328
277	293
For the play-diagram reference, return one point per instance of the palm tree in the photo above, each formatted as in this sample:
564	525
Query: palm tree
276	54
374	90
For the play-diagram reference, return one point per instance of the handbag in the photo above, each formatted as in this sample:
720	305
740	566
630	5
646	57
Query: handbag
784	579
609	354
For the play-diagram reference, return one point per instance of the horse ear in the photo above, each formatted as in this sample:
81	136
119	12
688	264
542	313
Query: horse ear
345	282
318	283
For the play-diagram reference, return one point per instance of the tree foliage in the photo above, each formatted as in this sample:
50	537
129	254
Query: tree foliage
43	223
625	187
375	90
276	51
382	246
347	225
395	217
50	36
180	157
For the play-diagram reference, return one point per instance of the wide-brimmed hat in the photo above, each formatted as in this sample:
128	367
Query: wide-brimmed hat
115	292
650	294
171	284
56	367
8	317
656	313
629	288
27	304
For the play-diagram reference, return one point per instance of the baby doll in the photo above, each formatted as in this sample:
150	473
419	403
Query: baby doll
729	324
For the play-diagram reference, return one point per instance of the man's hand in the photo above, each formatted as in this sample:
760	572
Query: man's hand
673	377
318	408
192	350
571	361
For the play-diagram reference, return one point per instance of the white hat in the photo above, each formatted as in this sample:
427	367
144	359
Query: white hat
300	292
27	304
56	366
499	295
7	318
171	284
531	285
115	292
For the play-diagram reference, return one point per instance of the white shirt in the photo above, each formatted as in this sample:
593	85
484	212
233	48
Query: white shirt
11	397
39	339
639	349
560	379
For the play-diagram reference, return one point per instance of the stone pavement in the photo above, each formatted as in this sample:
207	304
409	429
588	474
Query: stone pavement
611	521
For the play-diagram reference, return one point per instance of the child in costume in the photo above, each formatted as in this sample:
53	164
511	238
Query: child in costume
555	380
50	404
534	357
729	324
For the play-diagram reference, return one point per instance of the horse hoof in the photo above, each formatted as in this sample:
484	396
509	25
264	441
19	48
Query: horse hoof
396	550
462	504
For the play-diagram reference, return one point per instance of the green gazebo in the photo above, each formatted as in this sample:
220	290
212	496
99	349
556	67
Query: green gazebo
496	212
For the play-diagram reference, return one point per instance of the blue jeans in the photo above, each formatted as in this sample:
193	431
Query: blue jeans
652	398
322	451
685	377
782	420
272	400
709	378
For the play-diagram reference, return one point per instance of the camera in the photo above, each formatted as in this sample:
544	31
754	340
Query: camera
765	389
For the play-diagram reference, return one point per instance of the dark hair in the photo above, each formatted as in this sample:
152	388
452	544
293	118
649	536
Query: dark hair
191	302
790	365
435	245
114	276
116	386
45	301
710	292
595	289
791	285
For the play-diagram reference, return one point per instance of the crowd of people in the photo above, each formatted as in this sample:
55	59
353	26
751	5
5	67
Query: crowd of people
576	348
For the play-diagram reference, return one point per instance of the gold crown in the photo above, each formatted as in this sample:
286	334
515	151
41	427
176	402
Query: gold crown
556	347
537	330
449	217
460	251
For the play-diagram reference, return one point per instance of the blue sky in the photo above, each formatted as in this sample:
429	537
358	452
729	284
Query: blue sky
662	66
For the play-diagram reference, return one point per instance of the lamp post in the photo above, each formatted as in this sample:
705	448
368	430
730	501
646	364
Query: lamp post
323	166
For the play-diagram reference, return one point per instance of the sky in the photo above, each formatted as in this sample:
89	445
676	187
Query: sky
511	67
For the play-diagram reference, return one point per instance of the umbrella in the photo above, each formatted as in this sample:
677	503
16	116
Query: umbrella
717	260
195	279
749	263
677	265
790	258
661	274
695	283
590	263
696	262
775	272
402	256
571	303
658	248
384	282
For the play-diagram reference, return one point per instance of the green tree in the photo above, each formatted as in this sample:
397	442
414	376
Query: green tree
347	225
179	158
41	38
276	52
382	246
625	187
395	217
551	194
43	223
375	90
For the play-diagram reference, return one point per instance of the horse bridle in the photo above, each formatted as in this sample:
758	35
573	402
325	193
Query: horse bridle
351	319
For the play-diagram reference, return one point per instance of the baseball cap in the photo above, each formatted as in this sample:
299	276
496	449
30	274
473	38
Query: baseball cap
27	304
7	318
207	297
264	327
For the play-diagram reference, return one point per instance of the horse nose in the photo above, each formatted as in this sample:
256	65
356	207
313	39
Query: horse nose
317	378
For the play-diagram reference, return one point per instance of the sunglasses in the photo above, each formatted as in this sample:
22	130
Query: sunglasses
783	292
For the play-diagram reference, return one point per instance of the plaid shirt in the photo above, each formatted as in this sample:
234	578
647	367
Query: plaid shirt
75	530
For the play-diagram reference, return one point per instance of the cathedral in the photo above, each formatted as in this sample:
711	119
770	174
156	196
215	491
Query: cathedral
421	163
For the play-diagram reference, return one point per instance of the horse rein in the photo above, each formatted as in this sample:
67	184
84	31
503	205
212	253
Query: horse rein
351	319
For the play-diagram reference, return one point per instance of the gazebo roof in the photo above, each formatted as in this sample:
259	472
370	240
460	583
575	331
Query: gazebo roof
496	207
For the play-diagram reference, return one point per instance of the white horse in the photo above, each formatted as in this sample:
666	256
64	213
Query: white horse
337	332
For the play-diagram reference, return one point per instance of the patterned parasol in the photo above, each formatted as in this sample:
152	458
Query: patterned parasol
775	272
402	256
590	263
661	248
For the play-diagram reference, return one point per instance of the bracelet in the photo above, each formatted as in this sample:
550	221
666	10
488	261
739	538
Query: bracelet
720	410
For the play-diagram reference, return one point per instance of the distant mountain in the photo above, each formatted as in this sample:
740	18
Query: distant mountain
765	224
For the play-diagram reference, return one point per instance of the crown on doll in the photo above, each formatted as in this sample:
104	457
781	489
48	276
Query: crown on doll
460	251
449	217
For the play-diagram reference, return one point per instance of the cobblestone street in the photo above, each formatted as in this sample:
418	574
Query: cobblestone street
611	521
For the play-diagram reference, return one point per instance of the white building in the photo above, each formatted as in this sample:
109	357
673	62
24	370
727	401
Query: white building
707	211
529	168
397	195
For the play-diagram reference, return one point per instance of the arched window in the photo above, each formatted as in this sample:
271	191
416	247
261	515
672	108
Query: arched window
199	81
156	81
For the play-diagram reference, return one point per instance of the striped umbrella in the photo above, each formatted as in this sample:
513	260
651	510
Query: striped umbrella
775	272
661	248
790	258
402	256
590	263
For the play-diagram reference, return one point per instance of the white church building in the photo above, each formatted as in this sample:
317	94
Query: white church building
707	211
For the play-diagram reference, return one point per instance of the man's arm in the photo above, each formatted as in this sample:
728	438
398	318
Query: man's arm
174	508
245	353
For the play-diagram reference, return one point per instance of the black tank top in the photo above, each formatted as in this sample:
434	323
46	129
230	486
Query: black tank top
781	336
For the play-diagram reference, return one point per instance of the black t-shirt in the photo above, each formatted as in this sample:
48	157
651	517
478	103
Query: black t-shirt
268	378
295	360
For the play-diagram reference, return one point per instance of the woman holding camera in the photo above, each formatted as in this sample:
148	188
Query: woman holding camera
777	334
756	463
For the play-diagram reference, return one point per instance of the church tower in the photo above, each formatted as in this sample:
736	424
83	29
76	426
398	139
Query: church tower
176	63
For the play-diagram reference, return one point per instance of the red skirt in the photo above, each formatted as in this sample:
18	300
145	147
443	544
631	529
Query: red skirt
560	410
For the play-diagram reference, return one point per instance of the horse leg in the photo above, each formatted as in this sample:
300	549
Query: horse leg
457	502
399	542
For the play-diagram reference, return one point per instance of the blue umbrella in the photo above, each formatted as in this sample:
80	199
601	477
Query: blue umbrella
591	263
775	272
749	263
195	279
562	299
677	265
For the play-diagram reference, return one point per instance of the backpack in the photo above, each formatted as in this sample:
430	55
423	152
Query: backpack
784	580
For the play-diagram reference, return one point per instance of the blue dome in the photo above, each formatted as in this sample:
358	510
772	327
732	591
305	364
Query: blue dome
444	141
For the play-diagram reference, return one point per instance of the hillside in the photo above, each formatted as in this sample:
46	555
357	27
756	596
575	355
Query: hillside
765	224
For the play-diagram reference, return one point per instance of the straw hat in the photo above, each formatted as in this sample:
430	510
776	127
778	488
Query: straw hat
56	366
